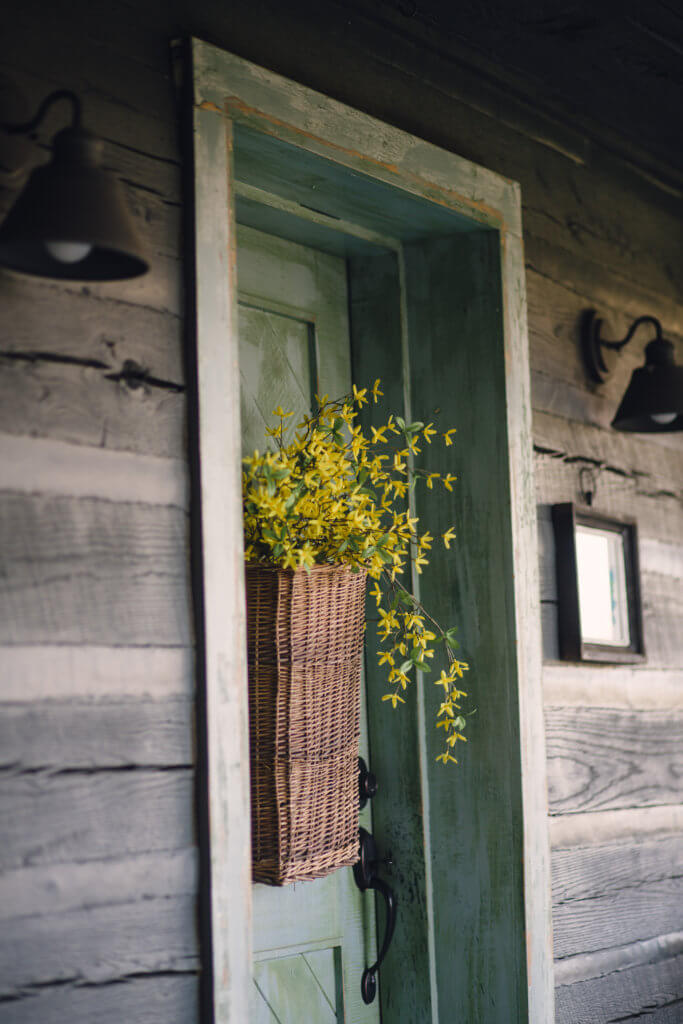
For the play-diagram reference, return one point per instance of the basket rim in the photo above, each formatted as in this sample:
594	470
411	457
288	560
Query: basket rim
317	569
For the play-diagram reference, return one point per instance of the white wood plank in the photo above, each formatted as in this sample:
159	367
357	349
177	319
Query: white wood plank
39	466
82	570
590	828
569	685
63	672
537	901
584	966
58	888
223	569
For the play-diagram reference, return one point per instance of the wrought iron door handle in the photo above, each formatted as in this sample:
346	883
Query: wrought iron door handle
364	872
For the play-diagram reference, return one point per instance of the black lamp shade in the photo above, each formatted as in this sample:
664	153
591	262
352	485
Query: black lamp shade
656	389
72	199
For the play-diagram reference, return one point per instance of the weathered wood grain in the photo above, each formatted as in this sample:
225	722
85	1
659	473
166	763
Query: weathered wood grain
100	944
83	735
650	993
56	888
629	915
88	571
600	759
166	999
84	405
642	481
39	316
584	874
63	672
80	816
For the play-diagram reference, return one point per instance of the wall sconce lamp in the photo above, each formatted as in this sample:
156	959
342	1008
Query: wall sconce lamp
71	220
653	402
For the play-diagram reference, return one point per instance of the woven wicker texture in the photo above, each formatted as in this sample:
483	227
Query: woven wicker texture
305	640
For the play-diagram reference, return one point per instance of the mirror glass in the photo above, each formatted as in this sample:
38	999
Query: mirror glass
603	601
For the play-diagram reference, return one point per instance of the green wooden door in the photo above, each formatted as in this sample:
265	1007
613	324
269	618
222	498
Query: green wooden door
311	939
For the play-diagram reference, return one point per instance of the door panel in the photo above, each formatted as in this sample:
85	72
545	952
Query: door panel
298	988
311	939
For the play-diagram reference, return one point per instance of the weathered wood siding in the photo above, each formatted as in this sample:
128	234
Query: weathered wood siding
98	885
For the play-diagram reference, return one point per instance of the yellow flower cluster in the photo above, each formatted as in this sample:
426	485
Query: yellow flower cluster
331	494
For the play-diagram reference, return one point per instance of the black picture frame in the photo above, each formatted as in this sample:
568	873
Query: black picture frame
573	644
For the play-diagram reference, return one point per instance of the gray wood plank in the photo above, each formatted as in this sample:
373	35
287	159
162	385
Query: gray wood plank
616	894
640	476
83	405
103	735
600	759
146	1000
62	887
79	816
93	571
649	993
598	871
100	944
624	916
40	317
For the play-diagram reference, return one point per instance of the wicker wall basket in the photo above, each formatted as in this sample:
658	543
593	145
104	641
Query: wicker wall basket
305	640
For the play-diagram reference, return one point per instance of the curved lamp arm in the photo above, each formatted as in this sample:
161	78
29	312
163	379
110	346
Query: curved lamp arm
593	343
24	127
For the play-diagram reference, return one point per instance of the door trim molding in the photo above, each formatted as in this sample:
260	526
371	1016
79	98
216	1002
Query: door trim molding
229	89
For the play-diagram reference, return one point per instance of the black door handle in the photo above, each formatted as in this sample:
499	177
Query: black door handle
364	873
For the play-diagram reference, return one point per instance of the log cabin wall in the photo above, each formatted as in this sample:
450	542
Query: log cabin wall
98	882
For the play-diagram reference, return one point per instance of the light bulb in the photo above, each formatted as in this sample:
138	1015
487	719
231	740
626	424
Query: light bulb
663	417
68	252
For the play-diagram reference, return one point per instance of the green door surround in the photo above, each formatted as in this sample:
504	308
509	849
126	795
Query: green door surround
434	252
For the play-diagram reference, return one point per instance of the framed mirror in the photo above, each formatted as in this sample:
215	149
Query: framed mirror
598	587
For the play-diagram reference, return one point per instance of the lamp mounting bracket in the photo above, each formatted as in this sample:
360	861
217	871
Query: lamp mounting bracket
593	344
